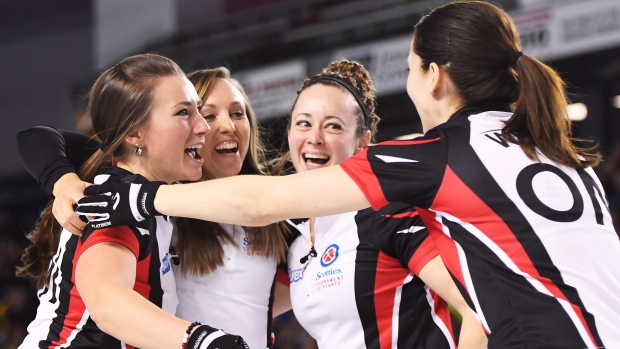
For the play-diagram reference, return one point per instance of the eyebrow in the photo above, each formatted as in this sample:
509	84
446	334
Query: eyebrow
235	103
328	117
187	104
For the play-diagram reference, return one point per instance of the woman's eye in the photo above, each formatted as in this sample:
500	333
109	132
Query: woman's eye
334	126
303	123
209	117
238	114
183	112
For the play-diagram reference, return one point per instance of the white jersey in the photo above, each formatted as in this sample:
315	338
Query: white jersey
360	290
236	297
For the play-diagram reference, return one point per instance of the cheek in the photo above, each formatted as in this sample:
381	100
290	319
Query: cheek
343	149
295	143
243	132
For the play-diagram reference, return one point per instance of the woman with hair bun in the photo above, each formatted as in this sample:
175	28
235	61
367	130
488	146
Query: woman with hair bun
354	276
510	201
357	279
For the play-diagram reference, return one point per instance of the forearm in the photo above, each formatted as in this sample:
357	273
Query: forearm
42	151
436	276
143	324
260	200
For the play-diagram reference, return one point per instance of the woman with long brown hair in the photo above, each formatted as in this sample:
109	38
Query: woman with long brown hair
512	204
224	273
113	287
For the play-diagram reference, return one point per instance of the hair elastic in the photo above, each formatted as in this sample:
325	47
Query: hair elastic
516	56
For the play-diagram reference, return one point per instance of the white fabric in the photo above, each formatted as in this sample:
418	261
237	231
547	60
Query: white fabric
323	297
234	298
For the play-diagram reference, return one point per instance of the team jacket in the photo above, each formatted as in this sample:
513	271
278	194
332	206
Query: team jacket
62	319
360	291
531	244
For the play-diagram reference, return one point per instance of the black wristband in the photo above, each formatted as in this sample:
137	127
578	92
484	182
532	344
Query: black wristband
187	332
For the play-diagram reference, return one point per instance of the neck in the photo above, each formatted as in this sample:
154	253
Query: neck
442	112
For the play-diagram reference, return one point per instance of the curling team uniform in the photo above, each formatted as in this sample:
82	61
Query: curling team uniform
360	290
530	244
62	319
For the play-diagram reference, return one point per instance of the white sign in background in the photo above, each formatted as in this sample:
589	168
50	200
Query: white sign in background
386	60
547	33
570	30
272	90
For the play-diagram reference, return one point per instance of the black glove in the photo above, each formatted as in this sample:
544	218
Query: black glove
207	337
115	203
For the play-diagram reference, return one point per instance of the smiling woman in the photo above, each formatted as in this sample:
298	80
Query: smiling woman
213	264
145	112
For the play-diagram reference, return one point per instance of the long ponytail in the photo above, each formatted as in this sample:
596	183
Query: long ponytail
540	119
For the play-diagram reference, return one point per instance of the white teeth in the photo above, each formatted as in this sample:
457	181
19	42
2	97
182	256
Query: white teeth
195	146
316	156
226	145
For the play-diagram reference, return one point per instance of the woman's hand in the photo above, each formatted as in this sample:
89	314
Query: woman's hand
67	191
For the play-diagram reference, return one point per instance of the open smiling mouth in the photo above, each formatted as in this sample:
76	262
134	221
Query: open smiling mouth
193	152
315	159
227	148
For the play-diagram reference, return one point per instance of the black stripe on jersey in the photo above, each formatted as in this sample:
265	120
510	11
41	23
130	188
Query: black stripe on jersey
510	304
64	299
424	168
270	314
366	261
471	171
416	328
416	319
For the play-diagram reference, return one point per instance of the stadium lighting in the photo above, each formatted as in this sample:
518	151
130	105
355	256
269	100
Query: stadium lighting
577	111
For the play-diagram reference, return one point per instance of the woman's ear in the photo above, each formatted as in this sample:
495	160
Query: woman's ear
135	139
363	141
434	78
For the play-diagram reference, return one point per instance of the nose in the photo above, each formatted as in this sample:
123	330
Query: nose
201	127
315	136
226	124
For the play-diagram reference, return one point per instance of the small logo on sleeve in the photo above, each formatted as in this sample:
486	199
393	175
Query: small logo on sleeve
165	264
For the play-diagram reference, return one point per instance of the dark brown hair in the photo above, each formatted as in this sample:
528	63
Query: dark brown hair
120	101
478	46
356	76
204	257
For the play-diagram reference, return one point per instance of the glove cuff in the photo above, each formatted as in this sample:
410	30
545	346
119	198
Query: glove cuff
145	200
203	336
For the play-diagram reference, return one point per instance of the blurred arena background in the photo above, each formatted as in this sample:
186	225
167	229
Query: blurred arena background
52	51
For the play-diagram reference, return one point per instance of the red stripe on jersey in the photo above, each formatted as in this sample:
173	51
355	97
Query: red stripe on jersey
410	142
443	313
142	285
455	198
122	235
282	277
389	275
422	255
401	215
76	308
444	244
358	168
